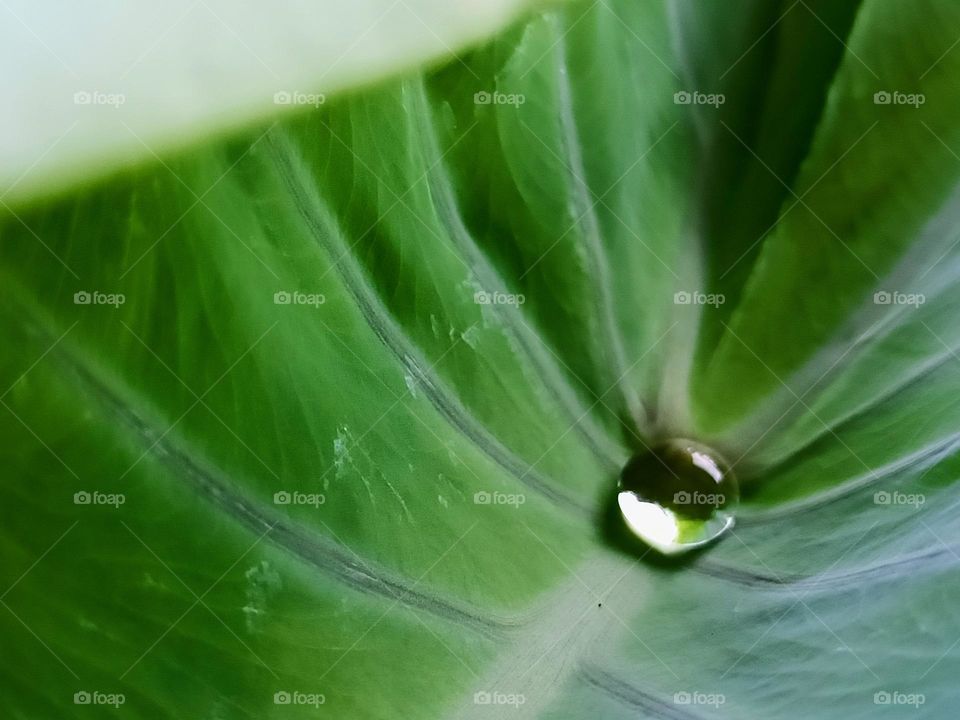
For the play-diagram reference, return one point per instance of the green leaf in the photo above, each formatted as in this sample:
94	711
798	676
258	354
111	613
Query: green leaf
95	88
377	366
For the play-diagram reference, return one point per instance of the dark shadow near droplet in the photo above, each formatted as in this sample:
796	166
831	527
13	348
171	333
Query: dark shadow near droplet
632	428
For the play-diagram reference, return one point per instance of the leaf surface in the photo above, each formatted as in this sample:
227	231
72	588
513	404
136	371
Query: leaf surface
378	365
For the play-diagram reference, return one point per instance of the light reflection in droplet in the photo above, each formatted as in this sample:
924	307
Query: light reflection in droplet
679	497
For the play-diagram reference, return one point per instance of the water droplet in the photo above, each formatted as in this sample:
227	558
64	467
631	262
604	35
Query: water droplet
678	497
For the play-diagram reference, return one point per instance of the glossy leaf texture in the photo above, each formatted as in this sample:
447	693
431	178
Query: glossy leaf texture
377	366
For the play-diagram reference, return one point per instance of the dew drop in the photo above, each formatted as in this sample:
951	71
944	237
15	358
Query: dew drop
678	497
